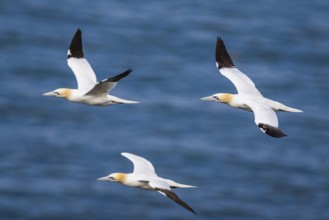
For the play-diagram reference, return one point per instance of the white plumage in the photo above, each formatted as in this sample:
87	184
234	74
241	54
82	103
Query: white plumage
144	177
249	97
89	91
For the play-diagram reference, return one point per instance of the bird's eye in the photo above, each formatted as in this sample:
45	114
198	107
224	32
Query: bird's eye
215	97
57	93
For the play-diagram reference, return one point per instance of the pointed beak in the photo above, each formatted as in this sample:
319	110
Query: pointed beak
105	178
208	98
49	94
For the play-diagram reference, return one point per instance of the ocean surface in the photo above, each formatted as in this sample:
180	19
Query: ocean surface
52	151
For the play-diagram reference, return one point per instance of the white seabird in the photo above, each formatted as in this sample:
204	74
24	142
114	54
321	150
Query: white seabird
144	177
89	90
248	97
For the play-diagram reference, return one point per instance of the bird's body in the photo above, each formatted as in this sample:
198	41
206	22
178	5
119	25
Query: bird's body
143	181
137	181
144	177
248	97
89	91
239	101
81	96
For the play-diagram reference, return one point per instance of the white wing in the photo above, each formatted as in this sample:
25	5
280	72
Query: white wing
226	67
83	72
266	119
141	165
159	184
242	82
107	85
85	75
263	114
164	188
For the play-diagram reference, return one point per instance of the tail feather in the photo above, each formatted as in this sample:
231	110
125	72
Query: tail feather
117	100
129	102
179	185
289	109
277	106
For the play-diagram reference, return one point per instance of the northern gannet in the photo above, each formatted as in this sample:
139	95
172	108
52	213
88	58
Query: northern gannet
248	97
89	90
144	177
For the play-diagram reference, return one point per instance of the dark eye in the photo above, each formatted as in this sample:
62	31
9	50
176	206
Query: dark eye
215	97
57	93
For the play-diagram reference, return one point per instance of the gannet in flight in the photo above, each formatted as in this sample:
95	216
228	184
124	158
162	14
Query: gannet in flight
144	177
89	90
248	97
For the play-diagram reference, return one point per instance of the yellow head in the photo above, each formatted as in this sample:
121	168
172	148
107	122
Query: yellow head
61	93
219	97
115	177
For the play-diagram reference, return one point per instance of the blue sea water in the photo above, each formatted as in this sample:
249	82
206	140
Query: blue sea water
52	151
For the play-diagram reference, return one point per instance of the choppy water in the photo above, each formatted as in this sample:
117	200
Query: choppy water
52	151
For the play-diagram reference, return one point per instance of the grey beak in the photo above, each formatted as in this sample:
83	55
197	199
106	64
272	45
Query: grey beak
105	178
208	98
49	94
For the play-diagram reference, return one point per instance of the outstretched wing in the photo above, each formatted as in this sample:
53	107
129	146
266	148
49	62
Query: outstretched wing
164	188
80	66
266	119
107	85
224	63
141	165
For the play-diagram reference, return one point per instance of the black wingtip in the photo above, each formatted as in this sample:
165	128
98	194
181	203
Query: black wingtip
271	131
171	195
223	59
75	49
120	76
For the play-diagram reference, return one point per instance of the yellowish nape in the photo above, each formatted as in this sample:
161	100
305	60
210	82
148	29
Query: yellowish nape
225	97
63	92
119	177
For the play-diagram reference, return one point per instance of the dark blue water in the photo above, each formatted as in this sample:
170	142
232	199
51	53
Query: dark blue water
52	151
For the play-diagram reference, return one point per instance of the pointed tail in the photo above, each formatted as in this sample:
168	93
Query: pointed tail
289	109
118	100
